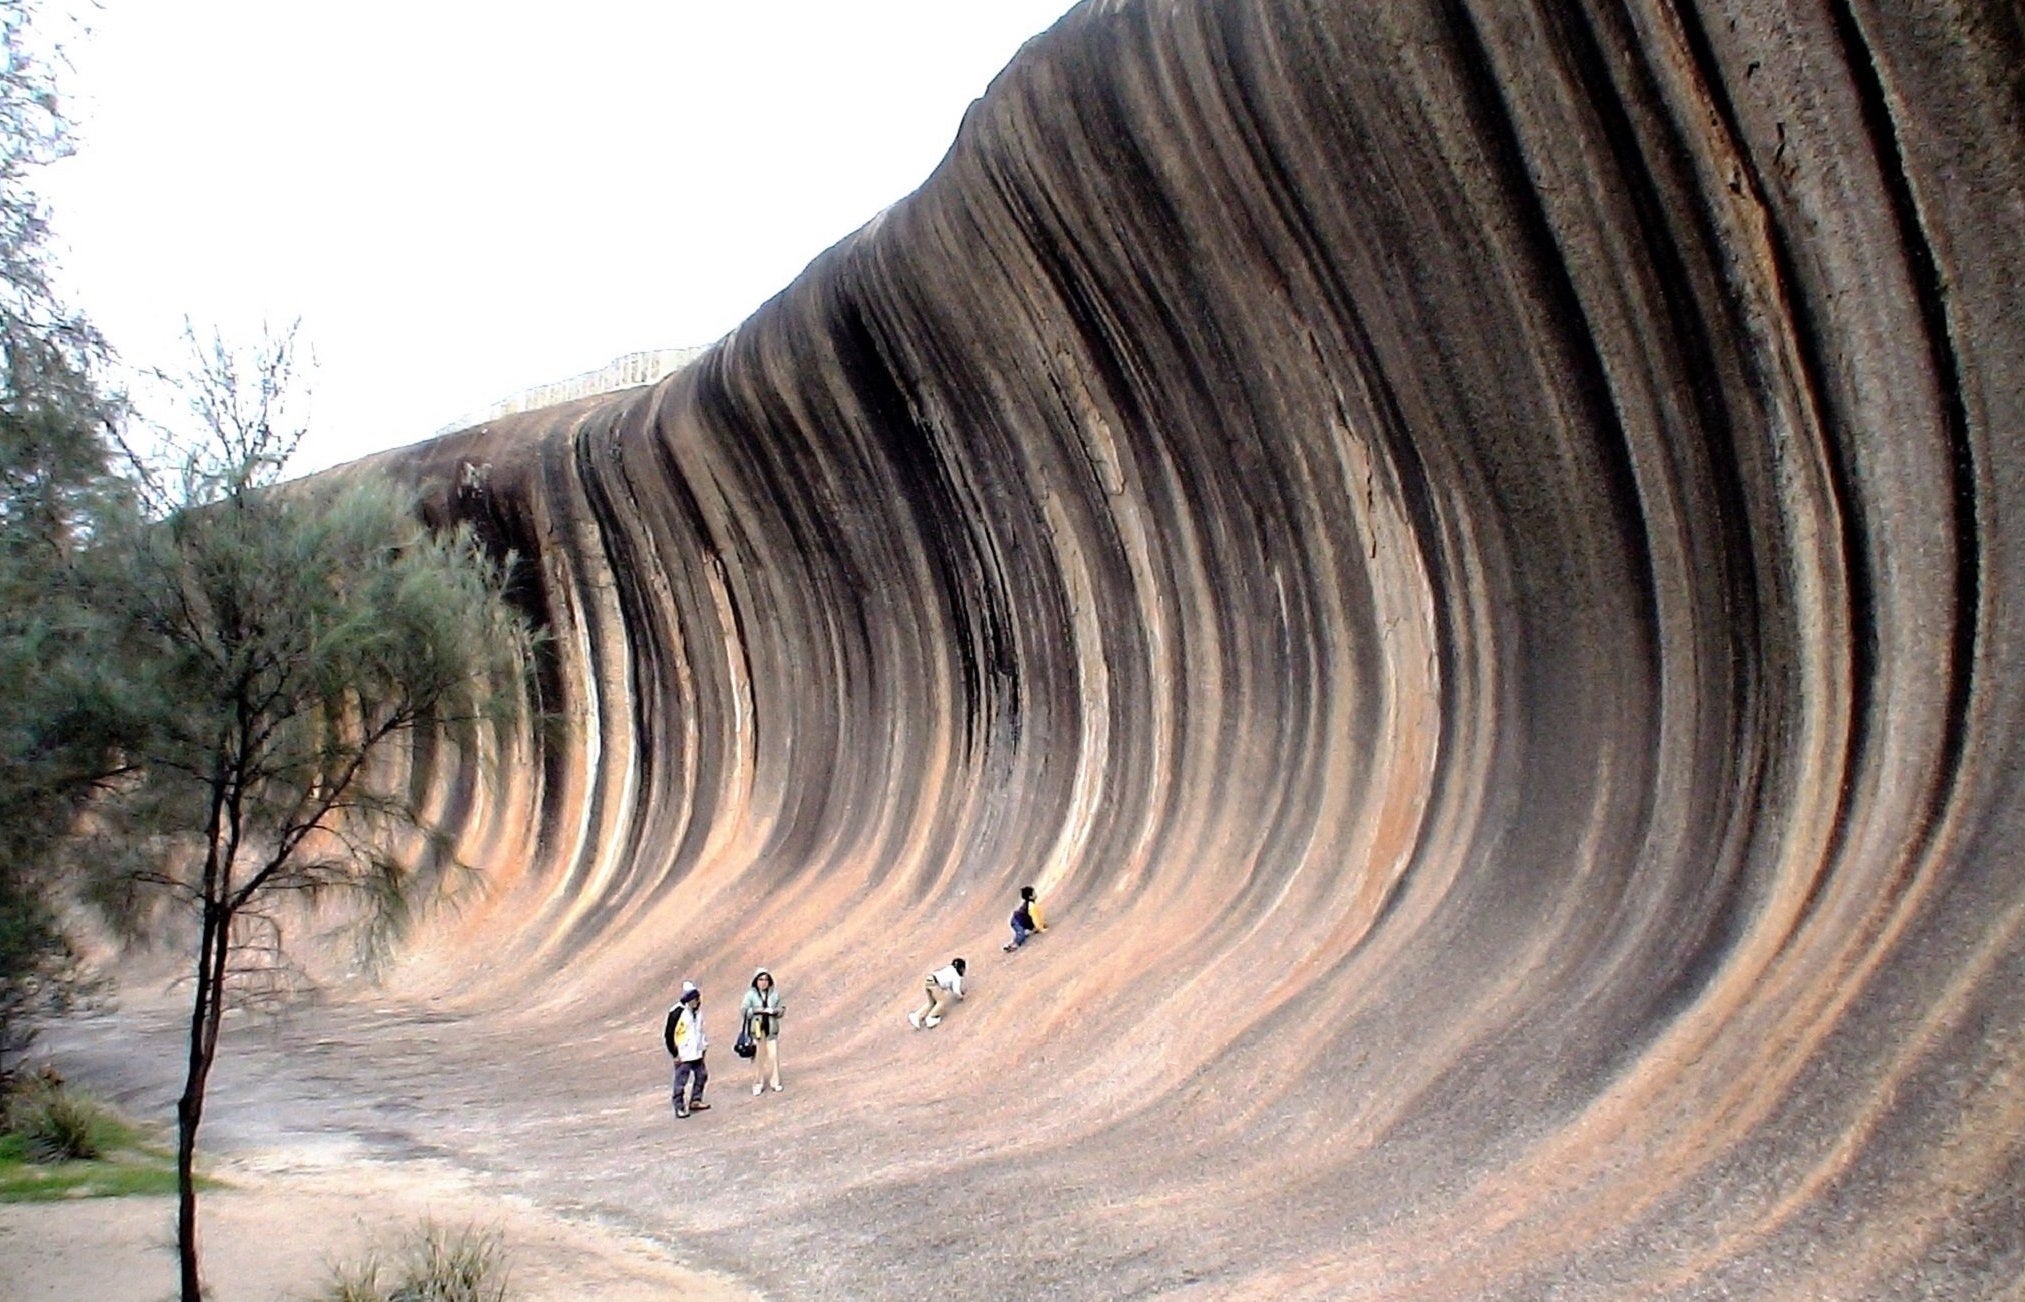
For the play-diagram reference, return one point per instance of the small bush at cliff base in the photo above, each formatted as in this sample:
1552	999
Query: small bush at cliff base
57	1144
54	1124
435	1264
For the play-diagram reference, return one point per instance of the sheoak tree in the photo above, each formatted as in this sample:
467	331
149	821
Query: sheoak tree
298	654
59	729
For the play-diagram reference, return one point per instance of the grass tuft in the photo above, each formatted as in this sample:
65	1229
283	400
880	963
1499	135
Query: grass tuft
60	1144
55	1124
433	1264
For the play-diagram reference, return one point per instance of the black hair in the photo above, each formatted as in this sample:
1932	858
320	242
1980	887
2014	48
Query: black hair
1026	892
958	965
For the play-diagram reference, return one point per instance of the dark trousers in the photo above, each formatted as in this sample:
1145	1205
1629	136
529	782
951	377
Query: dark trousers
687	1073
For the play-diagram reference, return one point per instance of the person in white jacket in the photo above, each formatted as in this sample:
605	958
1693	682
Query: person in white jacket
942	983
686	1045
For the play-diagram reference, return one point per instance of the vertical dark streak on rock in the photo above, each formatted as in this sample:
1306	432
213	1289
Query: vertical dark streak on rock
1709	926
1392	436
599	637
1924	272
618	515
1590	383
944	515
1809	342
698	619
550	469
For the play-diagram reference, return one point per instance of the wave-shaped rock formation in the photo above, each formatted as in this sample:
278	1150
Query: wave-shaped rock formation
1469	548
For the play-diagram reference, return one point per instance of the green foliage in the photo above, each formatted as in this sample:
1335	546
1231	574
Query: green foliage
290	661
223	694
60	1144
286	652
57	735
280	663
145	1175
54	415
55	1124
38	967
434	1264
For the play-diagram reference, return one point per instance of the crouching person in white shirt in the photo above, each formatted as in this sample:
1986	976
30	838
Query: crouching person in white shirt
942	983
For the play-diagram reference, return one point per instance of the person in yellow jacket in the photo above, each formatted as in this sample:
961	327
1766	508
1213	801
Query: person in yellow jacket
1026	919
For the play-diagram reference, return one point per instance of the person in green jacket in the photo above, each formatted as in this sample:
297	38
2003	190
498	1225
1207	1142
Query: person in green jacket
763	1008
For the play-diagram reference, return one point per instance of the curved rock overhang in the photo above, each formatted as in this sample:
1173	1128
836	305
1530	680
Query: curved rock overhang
1465	547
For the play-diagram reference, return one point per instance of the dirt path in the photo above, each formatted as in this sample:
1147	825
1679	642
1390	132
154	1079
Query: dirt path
923	1166
319	1166
286	1217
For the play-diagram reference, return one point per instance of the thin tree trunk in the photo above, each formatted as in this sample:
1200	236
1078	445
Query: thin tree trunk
204	1021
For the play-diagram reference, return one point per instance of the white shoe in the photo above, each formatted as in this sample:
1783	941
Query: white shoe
914	1020
933	1021
758	1090
776	1087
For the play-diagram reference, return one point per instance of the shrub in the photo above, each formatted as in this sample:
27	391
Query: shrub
434	1264
55	1124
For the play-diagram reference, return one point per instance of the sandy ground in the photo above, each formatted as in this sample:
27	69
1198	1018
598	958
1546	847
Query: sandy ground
288	1215
897	1163
892	1166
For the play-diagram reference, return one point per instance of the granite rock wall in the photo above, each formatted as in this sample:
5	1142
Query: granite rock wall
1468	549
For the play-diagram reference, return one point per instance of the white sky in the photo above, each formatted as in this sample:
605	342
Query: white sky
462	200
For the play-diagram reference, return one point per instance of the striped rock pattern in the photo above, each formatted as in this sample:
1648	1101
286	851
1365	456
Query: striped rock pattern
1468	549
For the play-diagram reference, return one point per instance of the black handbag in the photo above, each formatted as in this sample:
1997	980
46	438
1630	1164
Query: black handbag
744	1045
